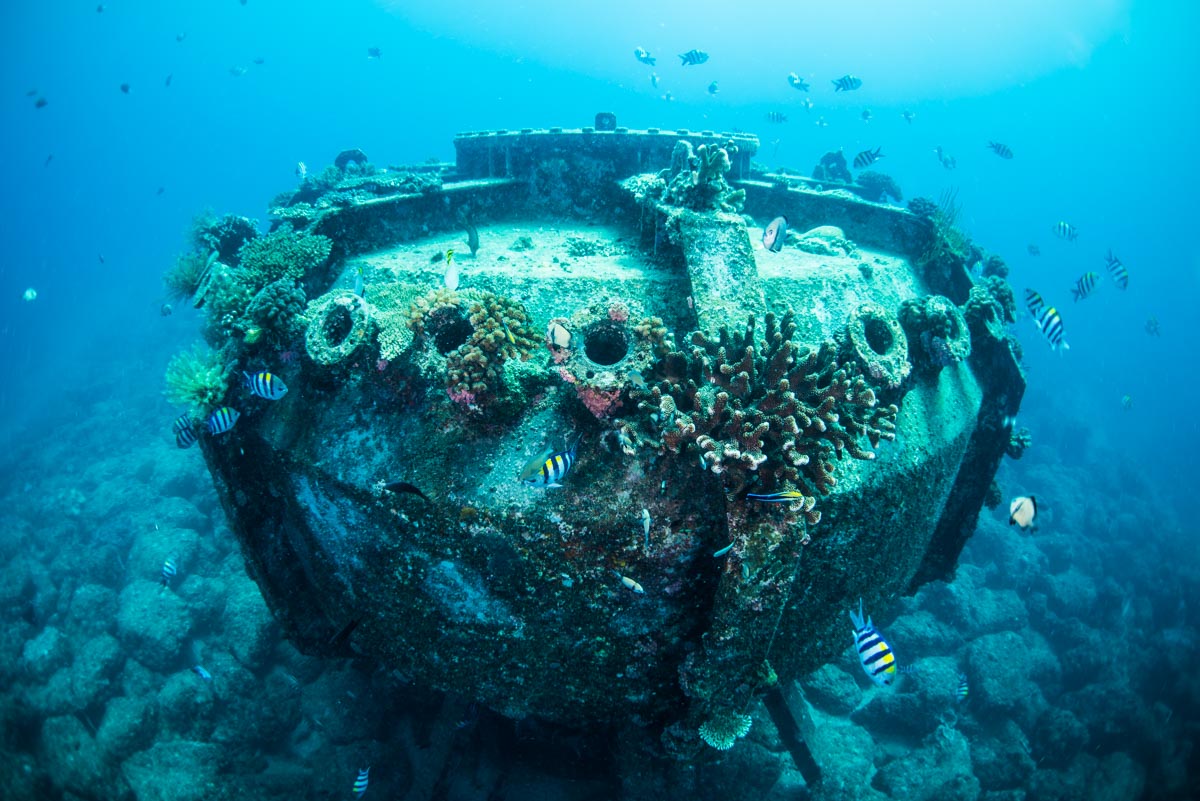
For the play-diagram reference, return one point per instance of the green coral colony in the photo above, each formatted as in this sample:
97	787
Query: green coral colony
860	376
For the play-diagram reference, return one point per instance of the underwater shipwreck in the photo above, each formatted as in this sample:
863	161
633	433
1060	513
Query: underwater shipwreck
760	438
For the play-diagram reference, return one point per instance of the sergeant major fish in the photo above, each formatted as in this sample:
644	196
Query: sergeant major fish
360	784
1051	325
867	158
1000	149
1084	286
693	58
265	385
185	433
1064	230
222	420
964	689
847	83
643	55
1117	270
168	572
796	82
874	654
776	117
549	469
1033	302
774	234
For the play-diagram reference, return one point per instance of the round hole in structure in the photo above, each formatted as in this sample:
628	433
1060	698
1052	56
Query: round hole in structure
879	335
338	325
606	344
450	329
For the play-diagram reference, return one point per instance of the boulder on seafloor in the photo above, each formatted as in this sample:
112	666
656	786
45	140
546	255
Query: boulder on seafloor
91	610
94	671
153	623
187	706
77	764
941	771
46	653
250	631
832	690
177	770
130	724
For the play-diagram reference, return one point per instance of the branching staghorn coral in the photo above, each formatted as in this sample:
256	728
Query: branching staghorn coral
767	413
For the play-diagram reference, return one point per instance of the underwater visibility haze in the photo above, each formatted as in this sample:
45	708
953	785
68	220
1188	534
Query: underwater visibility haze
471	400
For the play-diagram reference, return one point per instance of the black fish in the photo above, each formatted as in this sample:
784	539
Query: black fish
472	237
125	88
49	159
399	487
374	52
41	102
343	634
867	158
260	61
693	57
167	82
1002	150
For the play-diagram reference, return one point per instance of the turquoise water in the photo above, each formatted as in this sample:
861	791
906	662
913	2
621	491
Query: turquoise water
1091	618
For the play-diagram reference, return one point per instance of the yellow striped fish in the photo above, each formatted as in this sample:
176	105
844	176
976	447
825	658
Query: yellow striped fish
265	385
1117	270
1085	285
789	496
875	655
360	784
550	468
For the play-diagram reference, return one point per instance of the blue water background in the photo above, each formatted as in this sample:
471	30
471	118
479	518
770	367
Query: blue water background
1095	99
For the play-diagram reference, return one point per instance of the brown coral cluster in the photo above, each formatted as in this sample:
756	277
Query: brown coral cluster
768	414
477	331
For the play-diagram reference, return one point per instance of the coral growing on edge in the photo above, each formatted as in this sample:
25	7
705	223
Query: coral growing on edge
940	328
878	187
183	280
284	254
724	729
276	309
696	180
772	414
477	331
226	235
197	378
832	167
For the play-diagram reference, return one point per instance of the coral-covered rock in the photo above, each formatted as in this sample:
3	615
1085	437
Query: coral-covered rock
1058	737
95	670
1002	762
77	764
250	631
1001	669
832	690
154	623
1071	594
924	635
46	653
187	705
129	725
941	770
92	608
178	770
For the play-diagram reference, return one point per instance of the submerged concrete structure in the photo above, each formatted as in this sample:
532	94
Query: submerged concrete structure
760	437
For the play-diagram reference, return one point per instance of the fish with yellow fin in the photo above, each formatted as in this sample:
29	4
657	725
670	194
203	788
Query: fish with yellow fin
549	468
788	496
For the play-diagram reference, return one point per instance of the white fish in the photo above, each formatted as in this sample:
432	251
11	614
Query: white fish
30	295
630	583
301	170
646	523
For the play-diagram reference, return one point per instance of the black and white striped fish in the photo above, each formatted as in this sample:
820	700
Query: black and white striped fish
1085	285
549	469
1000	149
847	83
266	385
874	654
1117	270
693	57
360	784
867	158
185	433
776	117
1034	302
1064	230
1051	325
168	572
222	420
964	689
